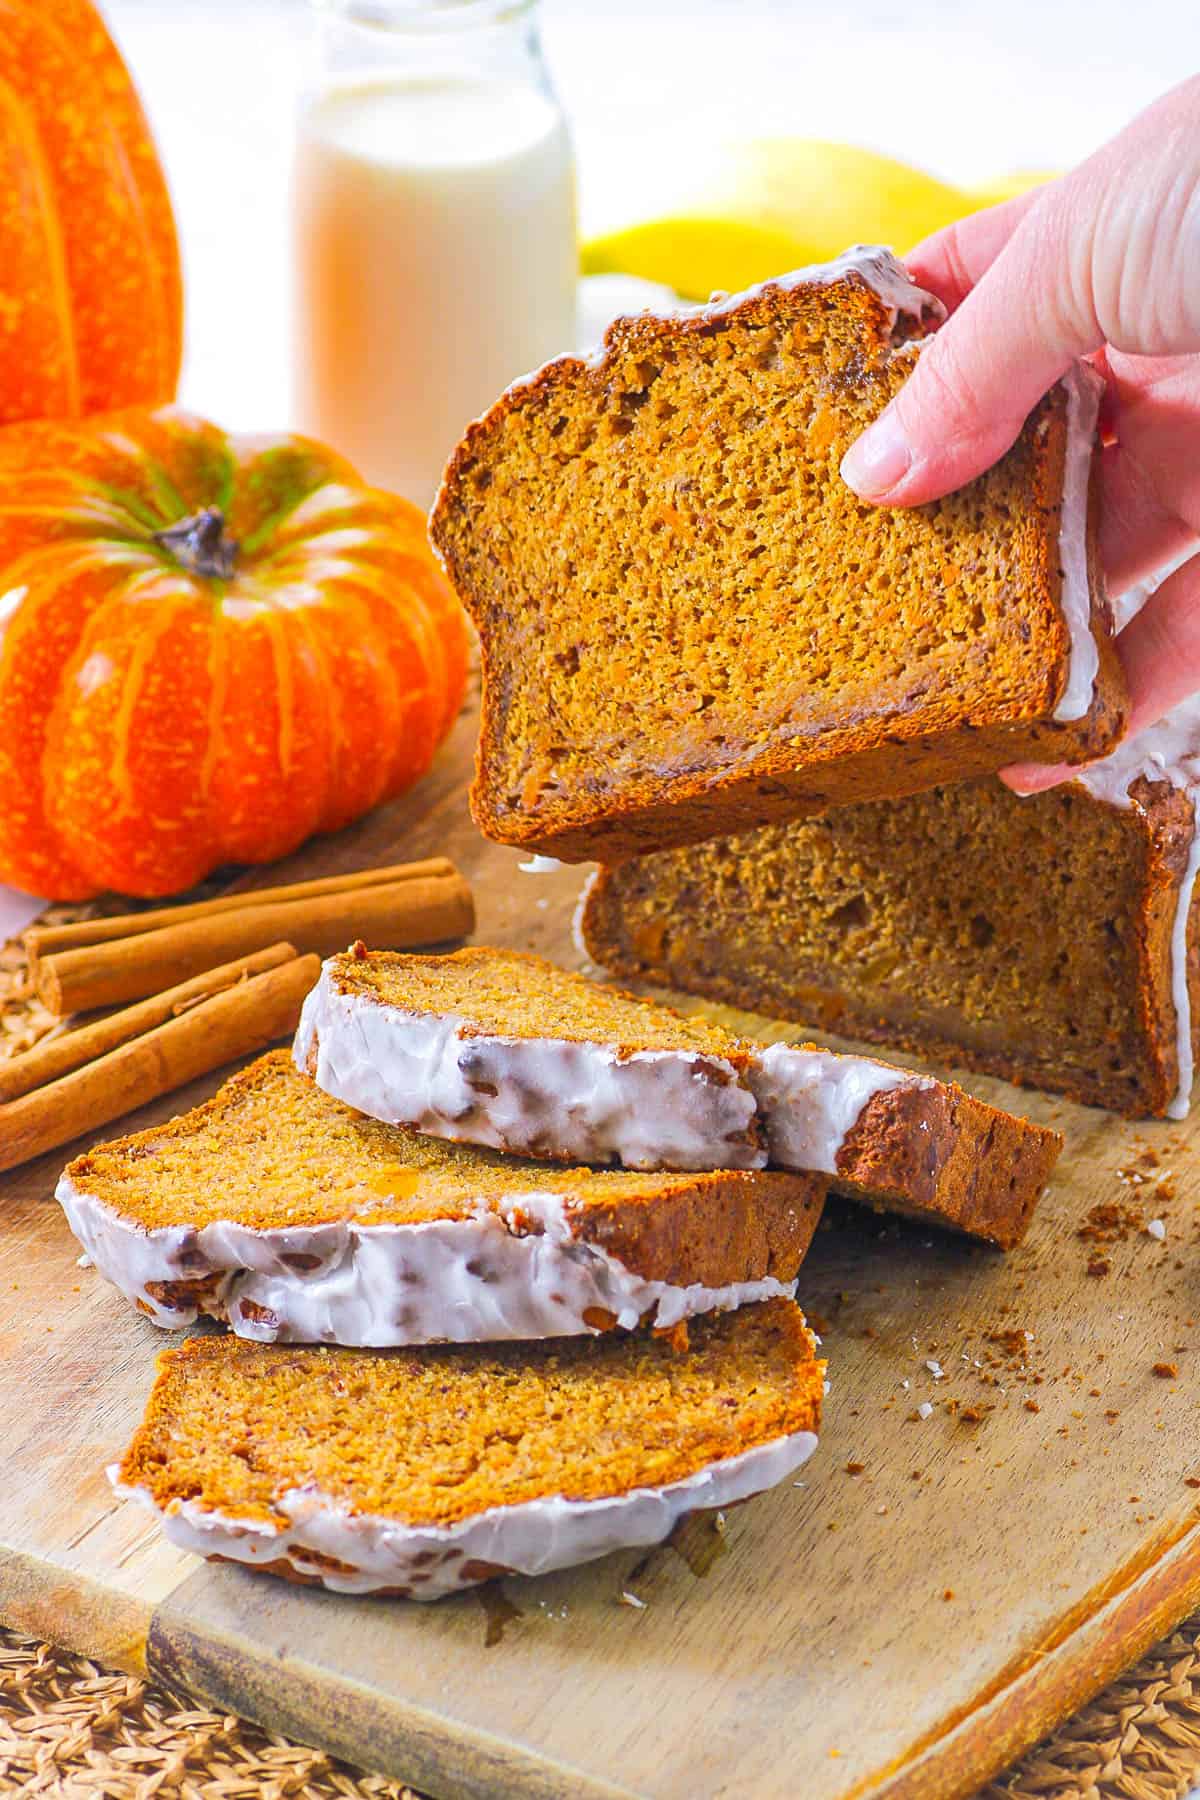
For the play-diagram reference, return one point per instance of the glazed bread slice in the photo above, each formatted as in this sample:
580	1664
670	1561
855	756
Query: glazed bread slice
297	1220
691	626
418	1473
502	1048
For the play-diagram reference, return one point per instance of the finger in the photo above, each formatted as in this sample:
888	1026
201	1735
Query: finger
1150	480
951	261
1138	534
1035	778
1160	648
978	377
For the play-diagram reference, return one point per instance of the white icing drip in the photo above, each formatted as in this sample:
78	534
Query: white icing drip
578	937
1168	751
529	1538
540	865
442	1281
676	1109
812	1099
876	267
1085	389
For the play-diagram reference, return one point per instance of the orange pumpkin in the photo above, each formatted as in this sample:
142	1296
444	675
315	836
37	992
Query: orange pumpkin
209	649
90	293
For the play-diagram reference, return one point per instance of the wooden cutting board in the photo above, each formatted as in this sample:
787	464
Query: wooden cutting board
933	1596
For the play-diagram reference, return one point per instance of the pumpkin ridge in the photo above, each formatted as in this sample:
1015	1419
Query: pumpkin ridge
171	504
139	156
17	114
87	179
334	729
166	373
135	675
285	686
45	863
218	672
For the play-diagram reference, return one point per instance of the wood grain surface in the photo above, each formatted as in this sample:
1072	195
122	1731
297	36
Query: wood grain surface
929	1597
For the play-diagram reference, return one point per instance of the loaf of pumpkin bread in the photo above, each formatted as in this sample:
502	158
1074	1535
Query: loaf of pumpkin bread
1053	940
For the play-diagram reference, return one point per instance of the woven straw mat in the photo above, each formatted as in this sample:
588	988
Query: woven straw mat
69	1728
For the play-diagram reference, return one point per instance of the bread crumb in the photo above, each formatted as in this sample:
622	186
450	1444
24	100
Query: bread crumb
855	1468
1032	1406
1166	1371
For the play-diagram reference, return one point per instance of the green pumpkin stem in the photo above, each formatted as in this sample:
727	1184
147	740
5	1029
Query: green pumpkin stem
199	544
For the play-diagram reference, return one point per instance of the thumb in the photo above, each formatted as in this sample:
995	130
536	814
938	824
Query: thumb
978	378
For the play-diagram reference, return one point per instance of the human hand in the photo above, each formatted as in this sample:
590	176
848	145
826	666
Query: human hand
1103	263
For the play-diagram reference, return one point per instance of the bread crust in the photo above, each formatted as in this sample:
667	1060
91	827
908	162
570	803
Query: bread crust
885	754
937	1153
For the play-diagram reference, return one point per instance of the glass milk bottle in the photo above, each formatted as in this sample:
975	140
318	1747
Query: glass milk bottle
433	228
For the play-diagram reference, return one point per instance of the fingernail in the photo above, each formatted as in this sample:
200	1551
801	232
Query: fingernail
878	460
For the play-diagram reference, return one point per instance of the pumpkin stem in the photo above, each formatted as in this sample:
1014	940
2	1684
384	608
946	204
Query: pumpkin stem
200	546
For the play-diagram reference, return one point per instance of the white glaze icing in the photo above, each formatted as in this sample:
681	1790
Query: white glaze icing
812	1099
530	1538
876	267
483	1278
1085	389
541	865
874	264
577	933
676	1109
1168	751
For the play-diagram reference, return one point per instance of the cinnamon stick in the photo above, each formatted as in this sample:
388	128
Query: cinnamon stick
234	1023
55	1057
399	915
47	940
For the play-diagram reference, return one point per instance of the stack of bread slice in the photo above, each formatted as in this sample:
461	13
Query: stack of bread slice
508	1260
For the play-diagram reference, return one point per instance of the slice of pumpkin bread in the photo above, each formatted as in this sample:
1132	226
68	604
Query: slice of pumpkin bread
501	1048
299	1220
690	625
421	1472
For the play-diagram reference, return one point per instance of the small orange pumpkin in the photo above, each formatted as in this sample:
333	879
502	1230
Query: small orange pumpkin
90	293
209	649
